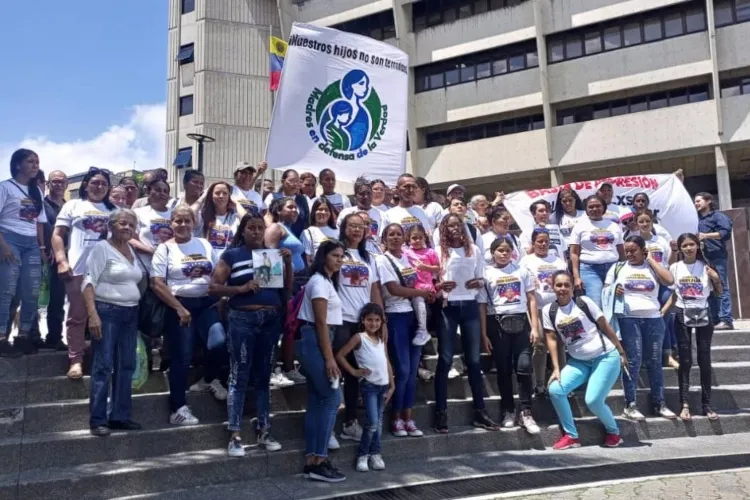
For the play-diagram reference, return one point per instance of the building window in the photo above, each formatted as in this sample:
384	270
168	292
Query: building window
737	86
637	104
634	30
476	66
380	26
186	105
188	6
485	130
428	13
184	158
731	12
186	54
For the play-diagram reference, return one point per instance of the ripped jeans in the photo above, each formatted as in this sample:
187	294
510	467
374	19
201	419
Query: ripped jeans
26	274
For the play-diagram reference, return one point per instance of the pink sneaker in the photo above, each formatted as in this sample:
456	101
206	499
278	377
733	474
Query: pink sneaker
566	442
412	430
398	428
612	440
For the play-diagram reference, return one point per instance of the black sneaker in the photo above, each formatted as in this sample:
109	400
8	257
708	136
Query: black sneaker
124	425
325	472
58	345
100	431
483	421
540	392
441	422
9	351
25	345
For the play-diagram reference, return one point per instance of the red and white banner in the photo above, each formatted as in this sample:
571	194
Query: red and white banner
669	199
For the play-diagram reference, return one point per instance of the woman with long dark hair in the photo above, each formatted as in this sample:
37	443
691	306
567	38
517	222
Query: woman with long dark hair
321	314
22	249
86	219
694	281
219	217
322	227
290	188
254	329
501	220
568	209
154	220
423	198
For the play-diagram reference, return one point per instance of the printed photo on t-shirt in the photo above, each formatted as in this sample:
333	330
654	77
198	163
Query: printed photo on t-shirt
639	282
249	207
373	228
196	265
544	278
220	236
161	230
28	211
410	276
95	222
602	239
690	287
508	290
355	274
408	222
571	329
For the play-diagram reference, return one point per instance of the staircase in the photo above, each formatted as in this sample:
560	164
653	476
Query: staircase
47	452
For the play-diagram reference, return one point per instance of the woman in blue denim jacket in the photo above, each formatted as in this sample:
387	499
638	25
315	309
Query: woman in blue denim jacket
321	315
254	328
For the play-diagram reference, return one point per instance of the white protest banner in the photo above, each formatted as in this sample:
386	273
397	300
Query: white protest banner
341	104
669	200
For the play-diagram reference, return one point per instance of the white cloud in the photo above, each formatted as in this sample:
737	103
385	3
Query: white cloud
140	140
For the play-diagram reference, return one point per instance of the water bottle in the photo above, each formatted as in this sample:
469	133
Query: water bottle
335	382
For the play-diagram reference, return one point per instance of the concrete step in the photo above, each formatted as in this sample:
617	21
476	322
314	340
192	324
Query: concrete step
170	471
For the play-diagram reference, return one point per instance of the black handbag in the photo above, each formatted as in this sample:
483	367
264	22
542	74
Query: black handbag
151	309
696	317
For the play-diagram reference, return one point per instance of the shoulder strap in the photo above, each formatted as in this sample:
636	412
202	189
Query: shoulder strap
618	268
553	307
585	308
472	232
396	270
488	291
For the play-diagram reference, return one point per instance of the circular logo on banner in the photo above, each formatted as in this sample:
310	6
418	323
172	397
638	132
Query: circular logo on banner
347	119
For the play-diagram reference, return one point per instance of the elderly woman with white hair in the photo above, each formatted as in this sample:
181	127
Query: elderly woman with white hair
111	295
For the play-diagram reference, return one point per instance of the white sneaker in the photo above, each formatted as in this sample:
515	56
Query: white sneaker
376	462
295	376
333	443
421	338
453	373
508	421
266	440
235	448
632	413
279	380
527	422
425	374
362	464
352	432
183	416
200	386
218	390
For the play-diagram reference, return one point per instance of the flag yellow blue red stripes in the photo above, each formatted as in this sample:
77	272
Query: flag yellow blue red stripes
276	60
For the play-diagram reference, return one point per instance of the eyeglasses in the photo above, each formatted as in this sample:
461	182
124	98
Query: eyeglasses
357	226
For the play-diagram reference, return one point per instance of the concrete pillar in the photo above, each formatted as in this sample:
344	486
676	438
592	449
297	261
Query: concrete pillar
541	50
555	177
403	24
722	179
714	65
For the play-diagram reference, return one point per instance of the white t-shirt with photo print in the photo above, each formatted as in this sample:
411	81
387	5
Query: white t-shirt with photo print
187	267
557	244
508	287
154	227
659	249
221	235
542	269
376	218
581	337
691	284
641	289
355	283
387	274
598	240
18	214
87	225
338	200
250	200
314	236
568	222
406	218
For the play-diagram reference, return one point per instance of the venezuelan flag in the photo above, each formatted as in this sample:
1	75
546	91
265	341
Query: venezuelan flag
278	52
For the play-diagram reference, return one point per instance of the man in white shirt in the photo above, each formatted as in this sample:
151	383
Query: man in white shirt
243	192
406	214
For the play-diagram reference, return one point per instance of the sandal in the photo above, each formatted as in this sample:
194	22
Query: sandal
75	372
685	414
671	362
712	415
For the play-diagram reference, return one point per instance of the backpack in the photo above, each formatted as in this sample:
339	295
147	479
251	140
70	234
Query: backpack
581	304
292	323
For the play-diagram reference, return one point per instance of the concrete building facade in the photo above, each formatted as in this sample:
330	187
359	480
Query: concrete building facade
504	94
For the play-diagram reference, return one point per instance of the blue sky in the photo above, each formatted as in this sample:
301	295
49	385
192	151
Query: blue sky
73	70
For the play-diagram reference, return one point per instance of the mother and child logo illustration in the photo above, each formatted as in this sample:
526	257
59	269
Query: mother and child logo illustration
508	290
196	266
346	117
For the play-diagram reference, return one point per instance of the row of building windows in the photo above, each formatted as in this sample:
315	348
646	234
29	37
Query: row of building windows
475	66
627	32
738	86
635	104
485	130
186	105
731	12
187	6
380	26
428	13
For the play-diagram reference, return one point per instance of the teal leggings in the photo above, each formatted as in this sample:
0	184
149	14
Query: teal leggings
601	373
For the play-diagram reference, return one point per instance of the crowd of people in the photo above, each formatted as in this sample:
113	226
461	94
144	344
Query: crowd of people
594	291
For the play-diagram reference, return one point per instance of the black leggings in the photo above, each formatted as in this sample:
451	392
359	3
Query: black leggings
703	337
511	352
351	383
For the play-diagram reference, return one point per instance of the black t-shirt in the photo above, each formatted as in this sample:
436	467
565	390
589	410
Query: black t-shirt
51	209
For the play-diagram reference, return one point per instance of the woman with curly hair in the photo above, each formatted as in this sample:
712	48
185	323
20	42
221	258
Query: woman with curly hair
461	278
218	218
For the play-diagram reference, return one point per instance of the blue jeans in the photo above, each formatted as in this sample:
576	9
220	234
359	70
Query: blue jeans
721	308
114	355
593	276
466	314
670	337
642	339
404	358
599	375
322	400
26	274
373	397
204	324
252	338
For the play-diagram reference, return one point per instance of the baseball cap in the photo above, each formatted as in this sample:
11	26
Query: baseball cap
453	187
243	165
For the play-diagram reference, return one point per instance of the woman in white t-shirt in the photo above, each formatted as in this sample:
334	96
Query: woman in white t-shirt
641	201
594	358
86	219
500	219
642	328
540	211
22	249
507	333
111	295
219	218
379	195
322	228
568	210
694	280
595	244
321	315
154	220
542	264
398	279
358	285
363	196
180	274
423	198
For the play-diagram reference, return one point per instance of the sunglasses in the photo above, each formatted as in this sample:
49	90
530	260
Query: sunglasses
97	170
